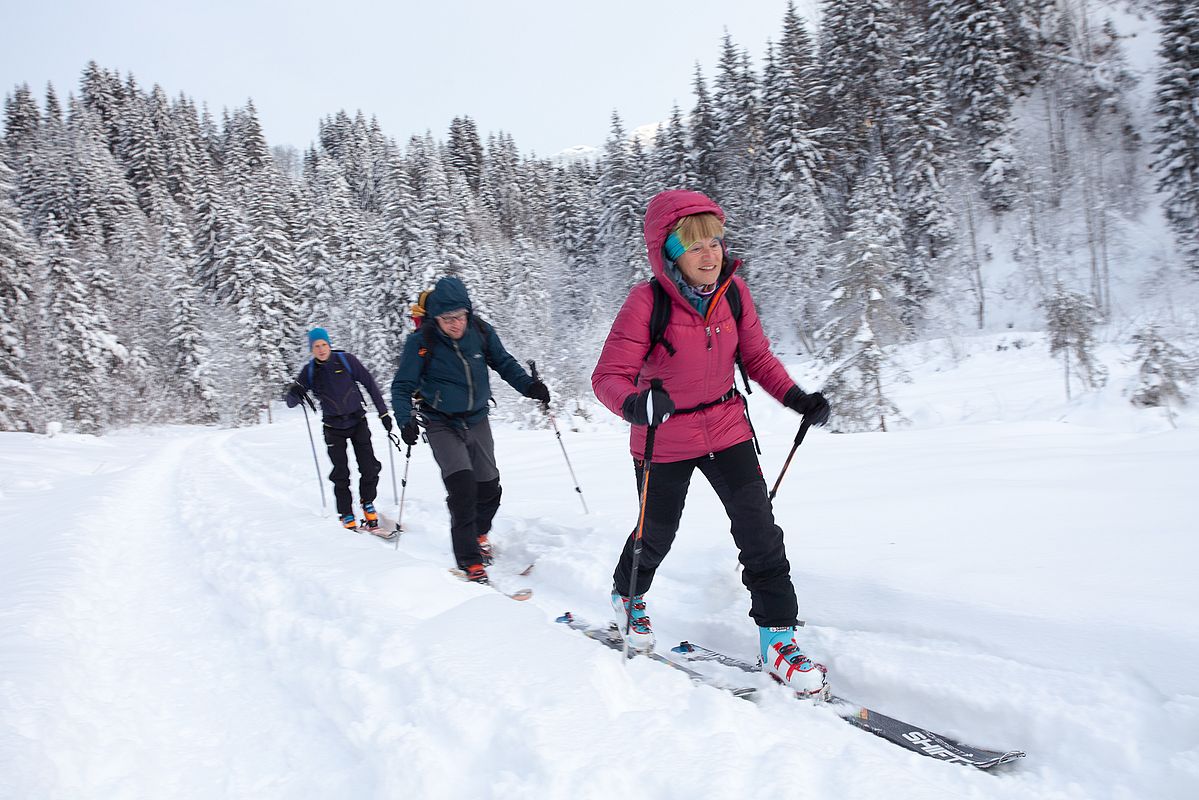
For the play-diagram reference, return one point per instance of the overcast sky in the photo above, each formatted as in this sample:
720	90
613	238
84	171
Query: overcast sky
549	73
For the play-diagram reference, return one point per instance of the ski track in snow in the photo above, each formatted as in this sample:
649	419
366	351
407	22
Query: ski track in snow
194	627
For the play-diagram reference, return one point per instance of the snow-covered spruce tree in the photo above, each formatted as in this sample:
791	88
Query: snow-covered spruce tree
465	151
621	197
140	151
860	50
739	151
267	312
20	407
670	166
701	129
501	193
189	365
923	148
381	301
22	118
1162	372
401	217
1070	319
100	192
788	275
82	348
1177	133
970	40
313	261
44	178
576	239
865	307
448	242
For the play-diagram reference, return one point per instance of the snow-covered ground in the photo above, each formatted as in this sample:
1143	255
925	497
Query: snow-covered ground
178	618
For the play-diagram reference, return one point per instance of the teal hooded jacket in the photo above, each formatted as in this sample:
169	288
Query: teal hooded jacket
452	377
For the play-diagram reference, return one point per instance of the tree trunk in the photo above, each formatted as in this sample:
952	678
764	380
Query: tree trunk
1066	371
976	269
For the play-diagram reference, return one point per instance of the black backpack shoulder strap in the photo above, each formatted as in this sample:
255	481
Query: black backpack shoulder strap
430	340
659	318
733	295
482	327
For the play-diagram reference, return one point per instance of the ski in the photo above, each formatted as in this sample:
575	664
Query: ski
381	530
609	636
519	594
910	737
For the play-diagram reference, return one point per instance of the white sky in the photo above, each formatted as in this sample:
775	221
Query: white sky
549	73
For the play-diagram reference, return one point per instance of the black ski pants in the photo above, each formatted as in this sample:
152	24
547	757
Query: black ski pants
368	466
472	507
737	478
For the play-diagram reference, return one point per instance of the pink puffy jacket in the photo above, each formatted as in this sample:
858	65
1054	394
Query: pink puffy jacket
702	368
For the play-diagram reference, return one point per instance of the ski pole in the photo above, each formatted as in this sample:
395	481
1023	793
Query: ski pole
655	383
554	424
391	458
403	483
803	430
319	481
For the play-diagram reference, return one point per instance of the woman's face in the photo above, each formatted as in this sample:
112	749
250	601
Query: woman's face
701	263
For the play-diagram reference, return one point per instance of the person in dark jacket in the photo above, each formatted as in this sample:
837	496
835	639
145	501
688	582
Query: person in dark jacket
333	376
445	366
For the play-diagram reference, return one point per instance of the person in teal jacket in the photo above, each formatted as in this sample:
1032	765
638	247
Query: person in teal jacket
443	382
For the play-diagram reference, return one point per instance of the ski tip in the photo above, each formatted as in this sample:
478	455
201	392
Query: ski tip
566	617
683	647
521	594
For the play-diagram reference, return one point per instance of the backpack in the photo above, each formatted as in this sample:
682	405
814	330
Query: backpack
659	319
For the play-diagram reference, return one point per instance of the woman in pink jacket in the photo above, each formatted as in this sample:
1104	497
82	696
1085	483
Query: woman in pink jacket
700	420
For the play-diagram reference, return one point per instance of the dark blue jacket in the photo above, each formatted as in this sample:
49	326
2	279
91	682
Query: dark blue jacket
452	376
337	388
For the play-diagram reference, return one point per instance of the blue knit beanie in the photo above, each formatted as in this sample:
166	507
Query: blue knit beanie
317	334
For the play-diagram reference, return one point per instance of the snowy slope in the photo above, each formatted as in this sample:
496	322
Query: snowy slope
1010	569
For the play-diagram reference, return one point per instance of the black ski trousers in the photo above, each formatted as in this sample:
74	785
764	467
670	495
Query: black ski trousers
737	478
472	507
368	466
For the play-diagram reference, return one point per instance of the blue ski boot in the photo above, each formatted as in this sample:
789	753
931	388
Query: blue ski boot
785	662
641	633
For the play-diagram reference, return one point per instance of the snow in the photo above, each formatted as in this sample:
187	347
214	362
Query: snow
178	617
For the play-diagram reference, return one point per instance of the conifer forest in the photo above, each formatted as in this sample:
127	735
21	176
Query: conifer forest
900	171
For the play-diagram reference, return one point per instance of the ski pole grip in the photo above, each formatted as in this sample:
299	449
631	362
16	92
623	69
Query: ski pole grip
803	431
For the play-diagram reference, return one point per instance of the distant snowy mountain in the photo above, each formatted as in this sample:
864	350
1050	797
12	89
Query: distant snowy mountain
571	155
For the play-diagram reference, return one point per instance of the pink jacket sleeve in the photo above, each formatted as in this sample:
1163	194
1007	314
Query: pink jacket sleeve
760	362
615	375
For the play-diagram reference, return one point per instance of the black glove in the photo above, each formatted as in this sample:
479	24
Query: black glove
385	418
295	395
538	391
409	432
813	407
651	406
